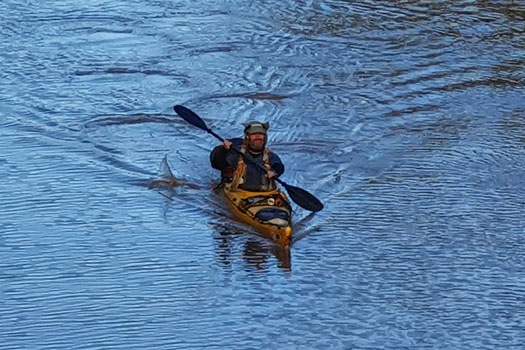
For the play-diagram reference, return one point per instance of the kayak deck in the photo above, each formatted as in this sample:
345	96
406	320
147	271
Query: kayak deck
267	212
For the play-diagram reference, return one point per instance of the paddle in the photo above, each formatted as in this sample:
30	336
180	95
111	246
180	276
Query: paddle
300	196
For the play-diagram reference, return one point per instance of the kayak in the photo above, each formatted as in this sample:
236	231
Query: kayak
267	212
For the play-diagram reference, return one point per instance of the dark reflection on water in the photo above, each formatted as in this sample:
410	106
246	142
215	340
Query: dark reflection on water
129	120
256	253
405	118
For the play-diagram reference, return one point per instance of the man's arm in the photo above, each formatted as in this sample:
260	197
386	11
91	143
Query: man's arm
276	164
219	155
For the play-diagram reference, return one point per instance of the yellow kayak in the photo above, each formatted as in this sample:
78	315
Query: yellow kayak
268	212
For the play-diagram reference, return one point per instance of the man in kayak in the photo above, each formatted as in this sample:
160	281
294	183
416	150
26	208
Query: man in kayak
244	174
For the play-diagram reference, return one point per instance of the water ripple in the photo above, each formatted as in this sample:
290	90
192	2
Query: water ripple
405	119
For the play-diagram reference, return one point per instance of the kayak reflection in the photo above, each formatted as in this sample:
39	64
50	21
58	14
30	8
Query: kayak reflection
256	252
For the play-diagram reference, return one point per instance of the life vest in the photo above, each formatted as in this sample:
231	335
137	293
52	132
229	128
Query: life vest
239	174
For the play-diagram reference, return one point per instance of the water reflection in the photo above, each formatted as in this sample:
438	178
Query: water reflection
256	253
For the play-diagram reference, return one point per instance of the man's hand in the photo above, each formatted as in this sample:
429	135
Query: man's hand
227	144
270	174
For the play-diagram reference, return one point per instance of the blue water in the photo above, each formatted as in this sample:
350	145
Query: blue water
405	118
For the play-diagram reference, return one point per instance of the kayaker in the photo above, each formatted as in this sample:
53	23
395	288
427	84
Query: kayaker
241	173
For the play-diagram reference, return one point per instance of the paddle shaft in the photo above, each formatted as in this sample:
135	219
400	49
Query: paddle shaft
300	196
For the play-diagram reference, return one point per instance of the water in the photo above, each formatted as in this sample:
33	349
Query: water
405	118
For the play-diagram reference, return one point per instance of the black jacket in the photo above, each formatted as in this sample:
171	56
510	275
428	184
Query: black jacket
226	162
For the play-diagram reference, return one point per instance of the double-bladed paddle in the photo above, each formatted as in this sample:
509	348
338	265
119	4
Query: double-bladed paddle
300	196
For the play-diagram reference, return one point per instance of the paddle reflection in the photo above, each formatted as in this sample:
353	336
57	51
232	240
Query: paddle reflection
256	253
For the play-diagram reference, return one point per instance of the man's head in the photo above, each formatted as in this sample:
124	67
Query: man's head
255	134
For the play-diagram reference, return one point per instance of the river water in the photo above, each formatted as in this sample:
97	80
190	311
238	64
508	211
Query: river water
406	118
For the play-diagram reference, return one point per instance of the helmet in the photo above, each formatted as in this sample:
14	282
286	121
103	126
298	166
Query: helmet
256	128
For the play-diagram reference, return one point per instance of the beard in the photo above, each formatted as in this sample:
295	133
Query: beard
257	145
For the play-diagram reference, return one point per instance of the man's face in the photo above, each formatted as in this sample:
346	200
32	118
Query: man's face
256	141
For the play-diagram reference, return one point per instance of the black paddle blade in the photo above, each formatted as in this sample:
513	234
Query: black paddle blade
191	117
303	198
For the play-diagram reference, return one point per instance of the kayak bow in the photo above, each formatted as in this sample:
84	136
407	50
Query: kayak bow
267	212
